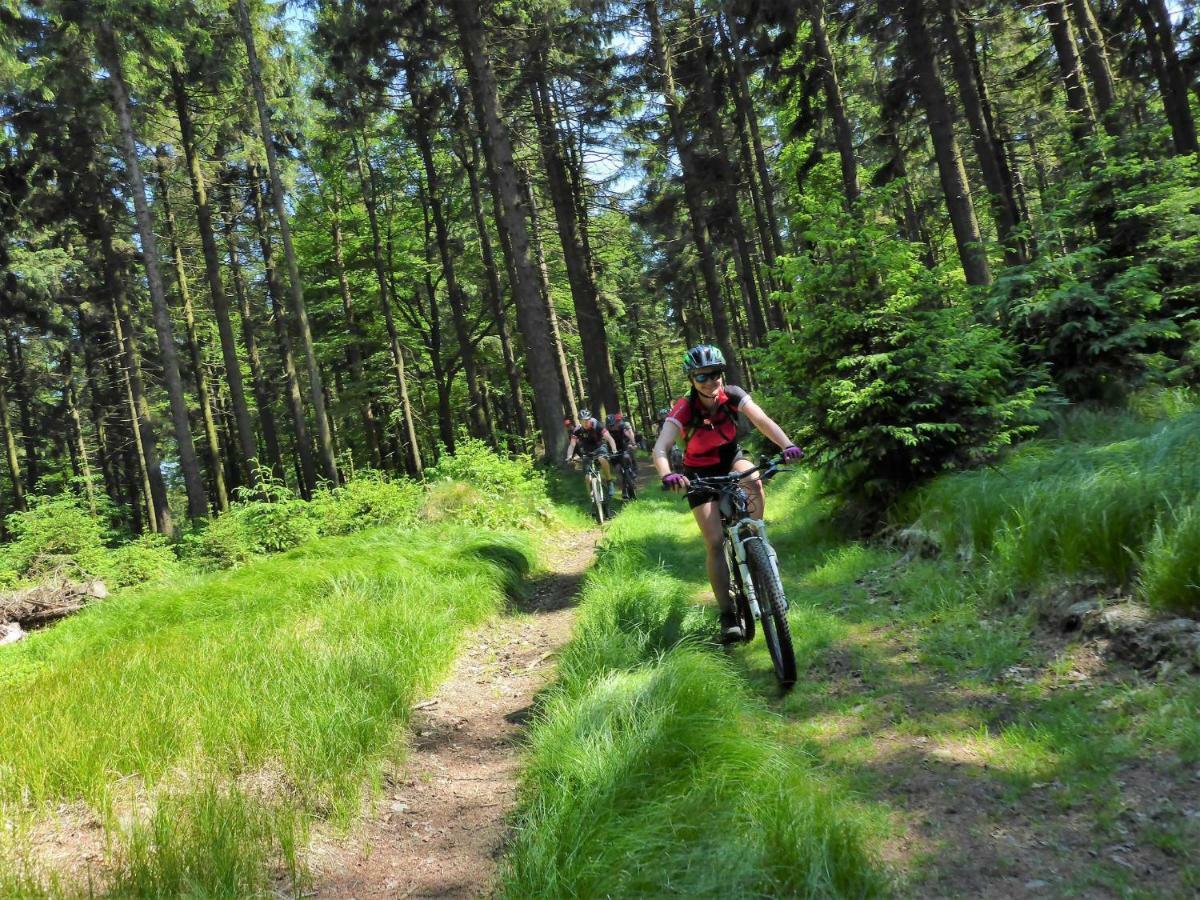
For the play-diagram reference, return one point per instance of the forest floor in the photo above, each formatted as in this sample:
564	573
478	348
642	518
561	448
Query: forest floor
441	824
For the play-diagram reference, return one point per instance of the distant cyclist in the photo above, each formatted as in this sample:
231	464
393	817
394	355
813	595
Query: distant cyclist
676	455
589	436
707	418
625	440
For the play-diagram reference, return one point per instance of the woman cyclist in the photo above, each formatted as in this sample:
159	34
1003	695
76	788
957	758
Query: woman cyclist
707	421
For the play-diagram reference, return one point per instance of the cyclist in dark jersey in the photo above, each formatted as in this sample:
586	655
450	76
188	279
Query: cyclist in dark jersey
707	421
589	436
625	439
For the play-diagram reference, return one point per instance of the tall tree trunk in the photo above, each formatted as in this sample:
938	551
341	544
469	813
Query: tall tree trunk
354	347
843	132
262	387
189	465
571	402
212	268
16	358
316	389
601	386
986	152
1095	58
366	177
10	446
498	146
692	194
470	164
1063	36
941	130
466	348
98	401
1172	82
295	400
760	157
79	446
215	464
711	119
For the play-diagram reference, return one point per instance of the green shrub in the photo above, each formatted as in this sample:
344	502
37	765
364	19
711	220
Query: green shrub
57	536
1171	572
509	491
367	500
147	558
886	380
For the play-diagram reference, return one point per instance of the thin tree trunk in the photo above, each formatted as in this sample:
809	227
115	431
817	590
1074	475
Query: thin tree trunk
986	152
315	387
498	147
262	387
1063	36
695	204
941	130
29	434
571	402
10	446
466	348
1172	83
188	463
303	445
1095	58
79	447
583	288
354	347
843	133
760	156
212	267
366	177
470	164
203	395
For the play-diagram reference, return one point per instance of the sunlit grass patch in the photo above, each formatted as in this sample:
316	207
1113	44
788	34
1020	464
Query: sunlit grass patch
654	768
290	674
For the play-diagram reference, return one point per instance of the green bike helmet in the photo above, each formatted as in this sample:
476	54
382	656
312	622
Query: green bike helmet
702	356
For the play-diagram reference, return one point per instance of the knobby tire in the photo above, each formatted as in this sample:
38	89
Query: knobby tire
771	601
597	497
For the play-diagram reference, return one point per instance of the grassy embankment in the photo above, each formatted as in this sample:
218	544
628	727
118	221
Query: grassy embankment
939	741
199	727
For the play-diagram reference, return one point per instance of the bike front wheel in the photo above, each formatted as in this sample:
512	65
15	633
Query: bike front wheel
629	476
773	604
598	497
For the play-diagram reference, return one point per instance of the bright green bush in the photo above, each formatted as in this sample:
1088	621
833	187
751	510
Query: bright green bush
888	378
1171	572
367	500
147	558
509	491
57	536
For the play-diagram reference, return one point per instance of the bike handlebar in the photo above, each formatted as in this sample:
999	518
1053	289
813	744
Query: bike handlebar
769	467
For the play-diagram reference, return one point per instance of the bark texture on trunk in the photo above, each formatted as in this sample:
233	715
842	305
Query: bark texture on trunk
1063	37
1172	82
954	183
1095	58
697	213
247	445
601	386
842	131
498	145
189	465
316	389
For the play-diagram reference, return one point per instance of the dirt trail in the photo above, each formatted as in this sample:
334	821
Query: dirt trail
441	824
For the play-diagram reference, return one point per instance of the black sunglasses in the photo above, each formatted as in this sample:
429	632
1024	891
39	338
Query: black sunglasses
702	377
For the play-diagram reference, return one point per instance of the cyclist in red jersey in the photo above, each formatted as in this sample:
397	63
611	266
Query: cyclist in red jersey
707	421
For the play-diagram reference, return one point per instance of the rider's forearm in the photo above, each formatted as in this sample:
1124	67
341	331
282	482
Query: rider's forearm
661	462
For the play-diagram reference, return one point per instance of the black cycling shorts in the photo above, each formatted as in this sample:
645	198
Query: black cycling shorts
721	468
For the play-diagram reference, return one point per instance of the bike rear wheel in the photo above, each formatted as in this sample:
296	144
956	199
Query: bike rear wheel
771	601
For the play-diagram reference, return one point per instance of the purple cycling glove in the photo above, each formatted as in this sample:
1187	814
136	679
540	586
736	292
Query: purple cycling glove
672	481
792	454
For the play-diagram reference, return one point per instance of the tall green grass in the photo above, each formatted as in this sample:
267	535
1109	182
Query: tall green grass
654	770
244	701
1111	497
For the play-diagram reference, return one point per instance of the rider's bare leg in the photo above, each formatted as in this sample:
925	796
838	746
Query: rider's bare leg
708	517
754	489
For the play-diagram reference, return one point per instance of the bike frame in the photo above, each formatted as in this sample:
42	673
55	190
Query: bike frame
741	528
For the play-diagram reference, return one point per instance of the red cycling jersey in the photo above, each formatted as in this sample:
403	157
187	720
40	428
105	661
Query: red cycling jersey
707	432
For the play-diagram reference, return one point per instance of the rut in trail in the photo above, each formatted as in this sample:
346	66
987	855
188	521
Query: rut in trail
441	824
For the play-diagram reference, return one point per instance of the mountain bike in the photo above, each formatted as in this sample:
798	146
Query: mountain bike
753	566
628	476
594	481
